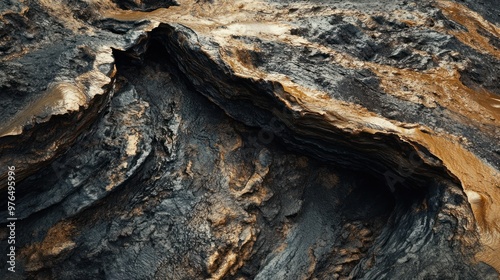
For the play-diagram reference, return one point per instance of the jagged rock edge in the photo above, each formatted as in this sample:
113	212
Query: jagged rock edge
294	135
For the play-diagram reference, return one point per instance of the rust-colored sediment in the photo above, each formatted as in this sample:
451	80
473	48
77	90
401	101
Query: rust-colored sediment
58	99
63	97
438	86
472	21
56	241
475	174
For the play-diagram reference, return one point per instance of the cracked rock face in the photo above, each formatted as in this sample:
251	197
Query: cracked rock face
251	140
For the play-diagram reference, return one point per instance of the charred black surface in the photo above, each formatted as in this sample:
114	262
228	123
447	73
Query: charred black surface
180	166
145	5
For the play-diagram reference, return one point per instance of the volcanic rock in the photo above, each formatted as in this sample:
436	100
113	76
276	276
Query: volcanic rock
251	139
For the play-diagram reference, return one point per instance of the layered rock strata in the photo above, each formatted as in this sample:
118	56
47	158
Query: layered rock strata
251	140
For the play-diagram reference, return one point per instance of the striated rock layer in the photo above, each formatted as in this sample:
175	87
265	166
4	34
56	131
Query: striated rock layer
251	140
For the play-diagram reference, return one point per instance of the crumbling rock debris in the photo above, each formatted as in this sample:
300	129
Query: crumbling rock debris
251	140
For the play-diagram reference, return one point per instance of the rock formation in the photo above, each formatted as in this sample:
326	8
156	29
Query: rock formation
251	139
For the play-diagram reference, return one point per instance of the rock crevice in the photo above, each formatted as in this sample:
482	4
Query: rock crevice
251	140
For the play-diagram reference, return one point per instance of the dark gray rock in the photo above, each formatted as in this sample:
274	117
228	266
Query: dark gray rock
277	140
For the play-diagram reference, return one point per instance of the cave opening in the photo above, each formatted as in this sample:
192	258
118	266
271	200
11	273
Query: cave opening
370	198
342	225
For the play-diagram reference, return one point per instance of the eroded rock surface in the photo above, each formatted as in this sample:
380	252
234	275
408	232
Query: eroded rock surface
251	140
